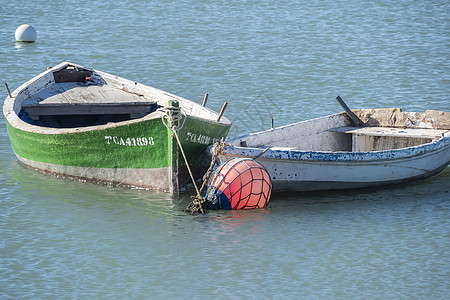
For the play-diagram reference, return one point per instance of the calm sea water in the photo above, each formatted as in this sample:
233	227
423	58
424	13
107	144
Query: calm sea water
61	238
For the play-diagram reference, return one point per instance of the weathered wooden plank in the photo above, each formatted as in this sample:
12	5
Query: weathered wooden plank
76	93
363	143
393	132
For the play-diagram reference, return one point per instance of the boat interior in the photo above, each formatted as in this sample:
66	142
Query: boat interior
80	98
381	129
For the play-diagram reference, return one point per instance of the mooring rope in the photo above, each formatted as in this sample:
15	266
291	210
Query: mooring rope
198	204
172	118
174	115
217	150
174	129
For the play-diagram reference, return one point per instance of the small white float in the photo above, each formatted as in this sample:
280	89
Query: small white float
26	33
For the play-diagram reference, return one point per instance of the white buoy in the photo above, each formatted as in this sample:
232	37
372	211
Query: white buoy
26	33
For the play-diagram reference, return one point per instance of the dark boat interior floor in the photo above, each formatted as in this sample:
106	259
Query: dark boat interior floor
65	119
73	121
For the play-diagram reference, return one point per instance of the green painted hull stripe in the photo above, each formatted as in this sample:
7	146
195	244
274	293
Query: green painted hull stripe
146	144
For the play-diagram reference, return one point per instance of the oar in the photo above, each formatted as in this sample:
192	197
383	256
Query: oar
352	116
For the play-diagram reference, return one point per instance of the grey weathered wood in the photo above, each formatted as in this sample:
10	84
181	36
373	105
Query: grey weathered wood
393	132
205	100
73	98
222	111
74	93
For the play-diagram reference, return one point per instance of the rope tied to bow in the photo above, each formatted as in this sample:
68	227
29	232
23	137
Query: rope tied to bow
174	119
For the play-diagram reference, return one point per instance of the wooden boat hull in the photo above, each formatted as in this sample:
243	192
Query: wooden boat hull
140	152
294	169
311	171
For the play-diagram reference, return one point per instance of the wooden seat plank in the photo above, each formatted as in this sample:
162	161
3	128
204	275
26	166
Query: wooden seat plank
74	99
393	132
75	93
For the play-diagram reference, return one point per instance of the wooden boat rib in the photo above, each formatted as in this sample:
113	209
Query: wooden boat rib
331	153
84	123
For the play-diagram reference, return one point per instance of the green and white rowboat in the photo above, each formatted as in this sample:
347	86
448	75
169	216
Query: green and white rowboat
83	123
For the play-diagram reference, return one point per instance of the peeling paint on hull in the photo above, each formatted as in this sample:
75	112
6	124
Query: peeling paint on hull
285	185
298	173
155	178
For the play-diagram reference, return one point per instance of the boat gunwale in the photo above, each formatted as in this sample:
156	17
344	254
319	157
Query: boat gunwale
344	156
310	155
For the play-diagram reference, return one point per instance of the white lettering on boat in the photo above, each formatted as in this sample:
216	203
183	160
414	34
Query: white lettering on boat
132	142
200	138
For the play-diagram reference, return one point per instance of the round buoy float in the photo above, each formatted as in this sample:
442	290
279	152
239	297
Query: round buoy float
26	33
239	183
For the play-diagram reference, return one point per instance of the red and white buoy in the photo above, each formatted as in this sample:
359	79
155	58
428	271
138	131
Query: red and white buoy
240	183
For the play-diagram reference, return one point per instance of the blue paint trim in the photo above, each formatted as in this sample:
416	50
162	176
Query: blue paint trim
299	155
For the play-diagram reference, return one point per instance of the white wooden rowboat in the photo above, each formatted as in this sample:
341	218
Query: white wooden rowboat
331	152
